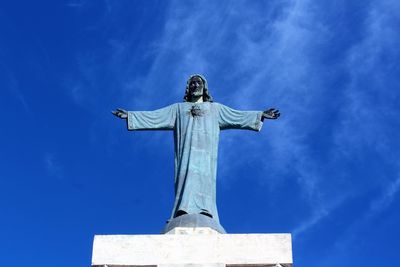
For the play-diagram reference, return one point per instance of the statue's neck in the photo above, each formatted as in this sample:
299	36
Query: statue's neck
197	99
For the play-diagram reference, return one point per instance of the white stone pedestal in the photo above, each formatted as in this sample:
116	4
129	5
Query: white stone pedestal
193	247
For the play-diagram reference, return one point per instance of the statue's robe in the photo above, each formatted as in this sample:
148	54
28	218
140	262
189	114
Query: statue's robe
196	129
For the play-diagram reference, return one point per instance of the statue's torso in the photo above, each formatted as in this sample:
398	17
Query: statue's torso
196	149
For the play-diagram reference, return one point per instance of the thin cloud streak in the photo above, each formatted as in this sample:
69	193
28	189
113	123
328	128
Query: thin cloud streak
379	204
384	201
310	222
13	86
52	167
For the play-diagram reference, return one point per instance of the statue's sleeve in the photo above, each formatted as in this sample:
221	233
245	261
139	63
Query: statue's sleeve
160	119
235	119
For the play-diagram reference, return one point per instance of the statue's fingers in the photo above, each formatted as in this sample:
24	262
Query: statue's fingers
121	110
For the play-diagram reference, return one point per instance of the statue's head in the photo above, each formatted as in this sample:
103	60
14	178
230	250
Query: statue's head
197	86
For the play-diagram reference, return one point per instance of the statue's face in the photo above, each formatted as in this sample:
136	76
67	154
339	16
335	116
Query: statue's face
196	87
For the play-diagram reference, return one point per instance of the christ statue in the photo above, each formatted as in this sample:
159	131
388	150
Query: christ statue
196	124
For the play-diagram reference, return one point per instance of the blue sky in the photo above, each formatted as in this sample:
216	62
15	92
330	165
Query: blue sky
327	171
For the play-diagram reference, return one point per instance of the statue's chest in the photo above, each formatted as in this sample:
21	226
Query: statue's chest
199	115
196	111
200	120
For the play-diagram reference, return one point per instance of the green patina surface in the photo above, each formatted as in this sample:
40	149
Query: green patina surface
196	128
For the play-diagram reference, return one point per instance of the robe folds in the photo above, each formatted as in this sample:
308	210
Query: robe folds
196	128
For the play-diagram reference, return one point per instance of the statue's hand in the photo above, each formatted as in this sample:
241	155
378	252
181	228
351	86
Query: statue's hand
120	113
271	114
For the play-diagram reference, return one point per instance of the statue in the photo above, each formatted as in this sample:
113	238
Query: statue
196	124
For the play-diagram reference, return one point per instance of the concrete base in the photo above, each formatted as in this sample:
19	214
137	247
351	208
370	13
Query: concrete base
192	247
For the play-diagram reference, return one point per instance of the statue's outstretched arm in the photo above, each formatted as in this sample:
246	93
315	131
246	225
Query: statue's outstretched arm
271	114
120	113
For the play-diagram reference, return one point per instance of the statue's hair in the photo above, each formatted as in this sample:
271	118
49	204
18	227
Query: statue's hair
206	94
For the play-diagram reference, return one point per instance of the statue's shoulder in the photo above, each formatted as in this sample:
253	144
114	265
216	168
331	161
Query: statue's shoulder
216	105
181	104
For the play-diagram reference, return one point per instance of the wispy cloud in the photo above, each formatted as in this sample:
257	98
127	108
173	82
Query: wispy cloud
370	95
76	4
351	236
386	198
12	85
52	166
316	217
368	113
